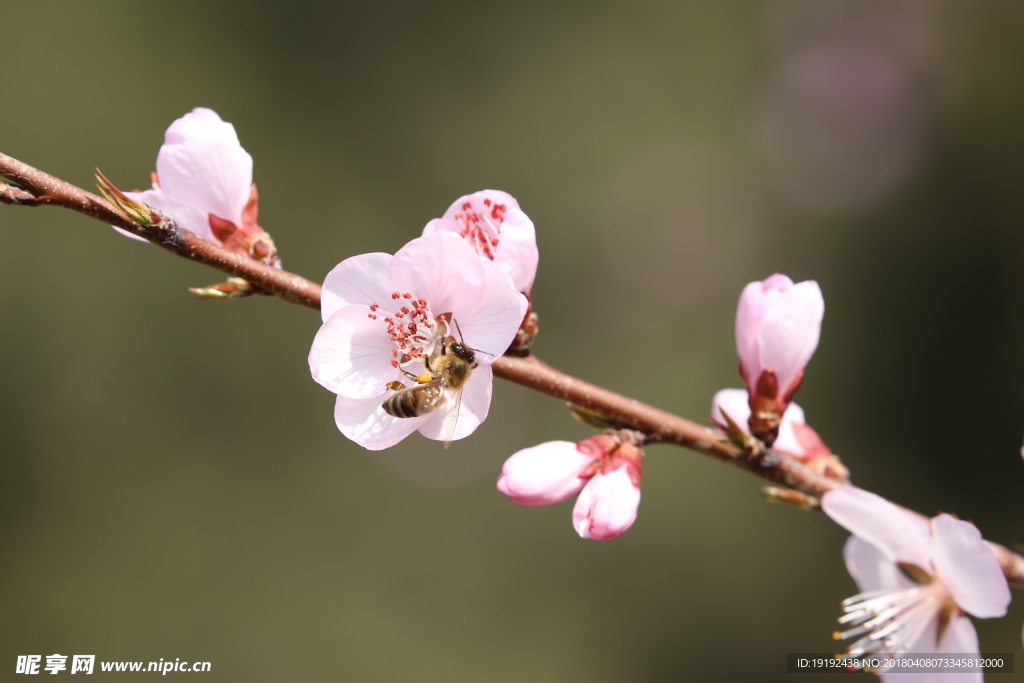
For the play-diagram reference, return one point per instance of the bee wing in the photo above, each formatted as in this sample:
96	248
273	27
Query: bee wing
432	395
451	420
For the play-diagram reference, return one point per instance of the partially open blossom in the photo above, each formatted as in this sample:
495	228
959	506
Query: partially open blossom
796	437
384	316
605	470
951	570
203	182
777	328
492	222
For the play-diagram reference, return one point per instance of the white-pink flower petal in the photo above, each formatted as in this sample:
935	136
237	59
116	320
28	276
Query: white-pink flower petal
185	215
969	568
202	163
442	268
736	403
607	506
958	637
870	567
363	421
351	354
544	474
733	402
476	402
491	324
896	532
361	279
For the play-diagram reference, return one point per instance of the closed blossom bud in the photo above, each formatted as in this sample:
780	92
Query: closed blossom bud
544	474
605	470
778	324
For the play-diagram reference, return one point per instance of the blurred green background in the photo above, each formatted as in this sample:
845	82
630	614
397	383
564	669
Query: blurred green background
172	484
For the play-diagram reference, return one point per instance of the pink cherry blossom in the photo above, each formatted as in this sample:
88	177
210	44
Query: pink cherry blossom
204	184
385	315
954	571
492	222
777	329
796	437
605	470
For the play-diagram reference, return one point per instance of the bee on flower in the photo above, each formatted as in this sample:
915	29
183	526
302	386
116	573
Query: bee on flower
407	340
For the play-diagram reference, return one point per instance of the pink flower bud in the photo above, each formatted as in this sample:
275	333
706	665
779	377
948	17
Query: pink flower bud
607	505
604	469
544	474
777	329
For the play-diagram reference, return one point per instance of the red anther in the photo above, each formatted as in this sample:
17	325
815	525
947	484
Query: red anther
374	307
394	363
466	206
407	295
419	338
487	202
394	352
395	295
423	302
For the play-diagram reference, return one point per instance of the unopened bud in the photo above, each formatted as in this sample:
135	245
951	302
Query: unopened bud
775	494
234	288
778	324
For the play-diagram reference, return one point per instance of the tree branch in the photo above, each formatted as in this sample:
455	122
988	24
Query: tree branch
44	188
38	188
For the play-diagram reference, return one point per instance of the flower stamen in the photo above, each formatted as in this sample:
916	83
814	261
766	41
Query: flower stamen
889	621
481	229
409	328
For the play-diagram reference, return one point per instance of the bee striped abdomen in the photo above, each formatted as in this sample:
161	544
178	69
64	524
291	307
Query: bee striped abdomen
415	401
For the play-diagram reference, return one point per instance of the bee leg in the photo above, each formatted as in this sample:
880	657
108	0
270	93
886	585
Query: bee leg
395	386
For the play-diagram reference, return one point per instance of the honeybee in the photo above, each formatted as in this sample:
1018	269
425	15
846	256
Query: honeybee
449	368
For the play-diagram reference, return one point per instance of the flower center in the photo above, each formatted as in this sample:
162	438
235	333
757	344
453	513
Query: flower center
890	621
481	229
412	327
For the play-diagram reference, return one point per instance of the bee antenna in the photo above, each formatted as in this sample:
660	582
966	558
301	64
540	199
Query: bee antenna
461	339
